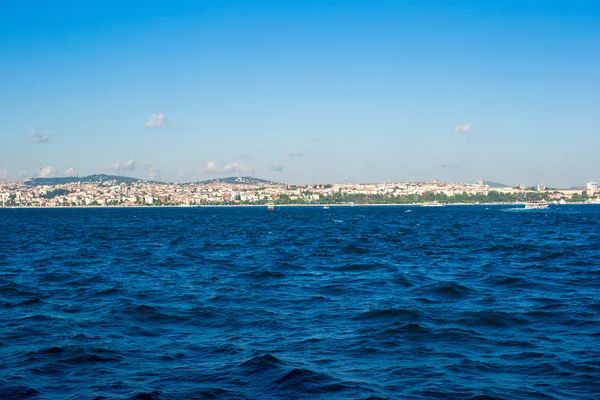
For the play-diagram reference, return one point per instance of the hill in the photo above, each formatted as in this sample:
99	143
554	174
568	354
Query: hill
96	178
496	184
244	180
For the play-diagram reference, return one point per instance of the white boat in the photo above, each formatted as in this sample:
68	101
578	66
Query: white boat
325	207
433	204
536	205
270	206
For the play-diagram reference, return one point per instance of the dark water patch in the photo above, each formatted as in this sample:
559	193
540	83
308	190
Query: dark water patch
510	281
14	289
154	395
9	392
109	292
492	319
409	330
450	290
261	363
24	303
473	367
264	274
153	314
358	267
41	318
355	249
310	382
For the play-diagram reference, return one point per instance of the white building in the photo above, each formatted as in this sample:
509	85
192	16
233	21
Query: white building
592	187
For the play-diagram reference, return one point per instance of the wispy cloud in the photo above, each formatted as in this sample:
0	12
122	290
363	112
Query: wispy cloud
449	166
464	128
40	137
152	171
128	165
157	121
211	167
45	171
237	166
69	171
296	154
276	168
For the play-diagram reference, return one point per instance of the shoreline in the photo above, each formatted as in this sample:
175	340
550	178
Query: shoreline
282	205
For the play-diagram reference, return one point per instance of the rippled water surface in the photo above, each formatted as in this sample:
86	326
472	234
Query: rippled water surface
347	303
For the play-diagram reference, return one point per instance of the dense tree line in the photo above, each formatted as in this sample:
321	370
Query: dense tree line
54	193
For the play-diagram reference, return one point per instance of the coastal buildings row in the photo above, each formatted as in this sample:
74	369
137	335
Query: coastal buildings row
111	193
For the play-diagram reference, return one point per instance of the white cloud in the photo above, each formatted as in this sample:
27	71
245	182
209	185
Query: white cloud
211	167
464	128
70	172
237	166
45	171
296	153
157	121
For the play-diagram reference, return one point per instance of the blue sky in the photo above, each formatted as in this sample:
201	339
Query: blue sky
302	91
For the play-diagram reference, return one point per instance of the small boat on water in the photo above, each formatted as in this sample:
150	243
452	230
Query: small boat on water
270	206
325	207
536	205
433	204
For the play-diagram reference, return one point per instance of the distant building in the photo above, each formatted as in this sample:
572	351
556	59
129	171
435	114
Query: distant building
541	187
592	187
480	182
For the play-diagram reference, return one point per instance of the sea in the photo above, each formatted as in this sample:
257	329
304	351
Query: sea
365	302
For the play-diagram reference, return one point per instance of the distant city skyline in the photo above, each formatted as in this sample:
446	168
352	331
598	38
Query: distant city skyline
302	91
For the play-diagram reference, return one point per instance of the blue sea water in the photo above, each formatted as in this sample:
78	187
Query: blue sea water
479	302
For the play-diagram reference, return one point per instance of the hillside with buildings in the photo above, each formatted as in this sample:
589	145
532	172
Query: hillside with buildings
106	190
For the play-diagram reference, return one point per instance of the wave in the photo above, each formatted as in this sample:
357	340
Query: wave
261	363
493	319
17	392
388	313
448	289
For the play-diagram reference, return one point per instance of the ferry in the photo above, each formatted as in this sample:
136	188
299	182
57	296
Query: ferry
536	205
270	206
